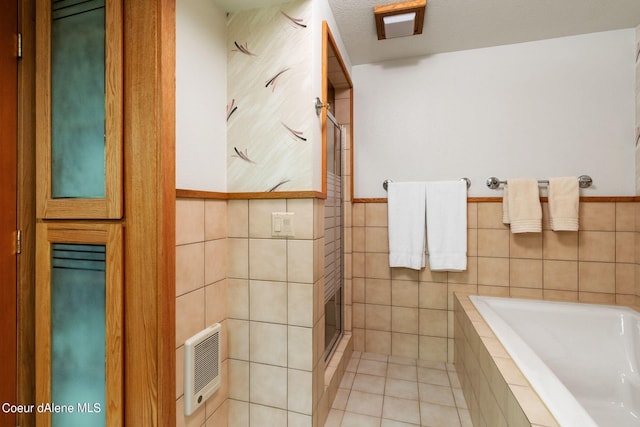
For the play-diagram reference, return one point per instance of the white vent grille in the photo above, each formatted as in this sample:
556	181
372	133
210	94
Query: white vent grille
201	367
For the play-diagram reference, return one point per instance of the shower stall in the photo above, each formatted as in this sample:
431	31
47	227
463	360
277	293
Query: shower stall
334	237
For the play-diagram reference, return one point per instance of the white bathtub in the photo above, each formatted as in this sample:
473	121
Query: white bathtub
582	359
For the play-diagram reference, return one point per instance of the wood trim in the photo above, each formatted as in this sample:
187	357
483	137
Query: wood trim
167	216
26	212
417	6
197	194
583	199
109	235
111	205
149	212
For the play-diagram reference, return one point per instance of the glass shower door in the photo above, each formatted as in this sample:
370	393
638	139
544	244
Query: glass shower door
334	263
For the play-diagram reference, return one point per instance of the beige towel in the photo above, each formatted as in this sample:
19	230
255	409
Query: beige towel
564	198
523	210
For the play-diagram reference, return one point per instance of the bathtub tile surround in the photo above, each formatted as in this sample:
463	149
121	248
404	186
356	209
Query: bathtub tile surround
596	264
496	392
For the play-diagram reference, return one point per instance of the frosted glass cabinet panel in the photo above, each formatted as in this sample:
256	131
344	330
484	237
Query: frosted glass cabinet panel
79	325
78	334
79	109
78	99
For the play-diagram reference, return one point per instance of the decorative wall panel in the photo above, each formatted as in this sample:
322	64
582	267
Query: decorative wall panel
269	103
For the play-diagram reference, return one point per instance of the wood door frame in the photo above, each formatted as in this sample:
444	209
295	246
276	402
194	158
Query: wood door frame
8	206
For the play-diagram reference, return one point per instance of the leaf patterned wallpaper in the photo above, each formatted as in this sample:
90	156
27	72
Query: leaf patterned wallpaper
269	102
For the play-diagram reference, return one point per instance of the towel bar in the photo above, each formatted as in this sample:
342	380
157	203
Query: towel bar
386	182
584	181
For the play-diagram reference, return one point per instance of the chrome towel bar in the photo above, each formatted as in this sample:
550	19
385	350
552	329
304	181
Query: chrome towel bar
386	182
584	181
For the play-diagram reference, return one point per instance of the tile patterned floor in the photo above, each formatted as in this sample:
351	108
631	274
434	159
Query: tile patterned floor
386	391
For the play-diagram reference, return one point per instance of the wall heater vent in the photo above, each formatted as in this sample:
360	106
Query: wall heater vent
201	367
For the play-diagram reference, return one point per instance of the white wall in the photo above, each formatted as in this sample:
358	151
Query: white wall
201	96
559	107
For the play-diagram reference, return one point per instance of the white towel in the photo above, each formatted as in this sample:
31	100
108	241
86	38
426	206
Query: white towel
406	207
564	199
447	225
523	210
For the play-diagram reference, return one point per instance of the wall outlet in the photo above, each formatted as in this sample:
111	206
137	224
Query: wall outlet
282	224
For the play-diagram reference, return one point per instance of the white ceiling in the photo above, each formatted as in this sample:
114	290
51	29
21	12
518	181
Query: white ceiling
452	25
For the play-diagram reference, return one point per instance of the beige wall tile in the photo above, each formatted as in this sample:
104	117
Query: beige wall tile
300	348
268	343
358	214
215	219
405	293
625	279
238	339
625	246
597	216
433	322
260	211
525	245
525	273
268	301
596	246
358	264
472	215
433	295
358	235
238	259
493	243
472	242
597	277
526	293
238	413
300	391
268	386
238	298
556	295
404	345
358	289
190	317
470	276
215	256
378	317
238	379
560	245
189	267
560	275
406	274
189	221
300	261
376	214
358	319
404	320
377	239
266	416
268	259
378	291
300	304
625	217
179	371
377	342
490	216
596	298
433	348
238	218
216	302
377	266
493	271
304	217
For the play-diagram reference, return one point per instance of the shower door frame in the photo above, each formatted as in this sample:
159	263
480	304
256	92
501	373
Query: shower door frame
338	158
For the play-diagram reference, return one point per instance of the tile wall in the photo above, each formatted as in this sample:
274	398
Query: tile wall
201	296
275	313
409	313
